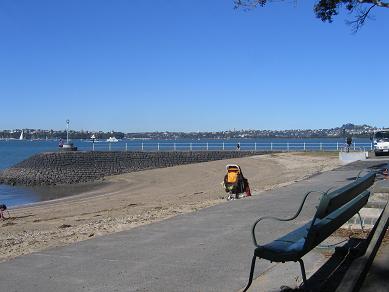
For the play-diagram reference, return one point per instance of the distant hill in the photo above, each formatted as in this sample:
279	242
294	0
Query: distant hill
342	131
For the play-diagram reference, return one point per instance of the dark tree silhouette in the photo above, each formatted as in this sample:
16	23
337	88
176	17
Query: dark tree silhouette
327	9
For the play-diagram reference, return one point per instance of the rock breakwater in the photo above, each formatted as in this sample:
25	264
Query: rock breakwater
75	167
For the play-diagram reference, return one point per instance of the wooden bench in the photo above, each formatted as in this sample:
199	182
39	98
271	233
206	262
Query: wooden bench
335	208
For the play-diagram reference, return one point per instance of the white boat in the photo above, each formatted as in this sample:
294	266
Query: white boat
112	139
21	136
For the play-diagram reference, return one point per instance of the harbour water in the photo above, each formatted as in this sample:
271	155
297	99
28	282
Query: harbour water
14	151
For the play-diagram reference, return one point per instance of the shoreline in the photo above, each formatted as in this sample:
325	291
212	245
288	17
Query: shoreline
124	201
61	192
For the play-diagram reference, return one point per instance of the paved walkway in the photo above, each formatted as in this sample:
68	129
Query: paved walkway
208	250
377	280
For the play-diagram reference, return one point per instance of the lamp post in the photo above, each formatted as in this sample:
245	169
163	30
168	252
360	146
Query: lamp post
93	142
67	131
67	146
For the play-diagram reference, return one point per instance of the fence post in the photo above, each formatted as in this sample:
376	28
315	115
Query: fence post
255	146
321	146
207	146
126	147
109	146
287	146
271	146
93	146
174	146
354	146
158	146
305	149
337	146
191	148
142	146
223	145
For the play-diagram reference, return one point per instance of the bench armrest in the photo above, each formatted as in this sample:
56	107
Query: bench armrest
283	219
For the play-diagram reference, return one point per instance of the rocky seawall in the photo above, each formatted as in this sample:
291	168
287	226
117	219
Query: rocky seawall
76	167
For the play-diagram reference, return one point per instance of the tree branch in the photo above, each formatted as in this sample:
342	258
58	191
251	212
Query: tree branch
361	18
326	10
376	3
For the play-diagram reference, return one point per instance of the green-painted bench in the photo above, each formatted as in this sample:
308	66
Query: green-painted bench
335	208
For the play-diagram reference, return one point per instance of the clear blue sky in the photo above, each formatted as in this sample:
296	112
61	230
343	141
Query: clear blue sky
185	65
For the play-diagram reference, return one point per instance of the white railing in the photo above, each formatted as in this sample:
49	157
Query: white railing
223	146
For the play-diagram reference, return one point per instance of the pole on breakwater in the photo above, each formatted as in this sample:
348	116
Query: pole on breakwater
67	131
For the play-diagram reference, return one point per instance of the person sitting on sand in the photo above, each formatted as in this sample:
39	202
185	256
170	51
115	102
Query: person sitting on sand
3	208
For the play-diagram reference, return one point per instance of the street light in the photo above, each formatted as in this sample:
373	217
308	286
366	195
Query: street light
67	131
93	142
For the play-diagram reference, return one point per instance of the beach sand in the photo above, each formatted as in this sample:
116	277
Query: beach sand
125	201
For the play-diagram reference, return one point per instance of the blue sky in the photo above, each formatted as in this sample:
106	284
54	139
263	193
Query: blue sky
186	65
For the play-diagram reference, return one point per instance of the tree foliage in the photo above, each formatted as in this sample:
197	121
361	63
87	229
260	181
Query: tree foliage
326	10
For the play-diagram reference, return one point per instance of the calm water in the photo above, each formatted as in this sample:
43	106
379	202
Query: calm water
14	151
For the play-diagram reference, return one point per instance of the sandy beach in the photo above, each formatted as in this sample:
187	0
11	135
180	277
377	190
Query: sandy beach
125	201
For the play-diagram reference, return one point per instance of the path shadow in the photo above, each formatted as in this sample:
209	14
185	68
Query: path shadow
330	275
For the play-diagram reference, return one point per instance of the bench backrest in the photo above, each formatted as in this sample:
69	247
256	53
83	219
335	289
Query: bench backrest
323	228
336	208
339	197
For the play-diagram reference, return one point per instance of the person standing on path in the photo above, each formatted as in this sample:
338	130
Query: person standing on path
349	141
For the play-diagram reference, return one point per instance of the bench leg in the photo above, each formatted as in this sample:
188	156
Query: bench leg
303	274
360	221
251	273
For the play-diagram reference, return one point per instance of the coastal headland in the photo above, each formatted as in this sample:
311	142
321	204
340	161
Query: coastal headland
54	168
137	198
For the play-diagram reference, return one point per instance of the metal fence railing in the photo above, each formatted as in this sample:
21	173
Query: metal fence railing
222	146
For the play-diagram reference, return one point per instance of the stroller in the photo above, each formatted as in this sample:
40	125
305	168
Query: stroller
235	184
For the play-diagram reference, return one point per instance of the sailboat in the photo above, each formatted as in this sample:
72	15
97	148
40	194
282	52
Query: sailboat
21	136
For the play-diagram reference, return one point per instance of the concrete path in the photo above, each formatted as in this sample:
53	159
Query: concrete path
377	278
209	250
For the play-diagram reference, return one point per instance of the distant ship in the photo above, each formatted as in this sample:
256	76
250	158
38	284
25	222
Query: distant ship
112	139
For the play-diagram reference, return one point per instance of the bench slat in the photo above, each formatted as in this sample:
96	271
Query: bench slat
328	225
333	200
